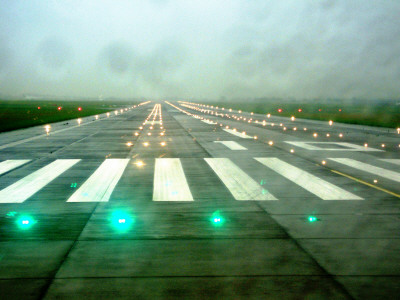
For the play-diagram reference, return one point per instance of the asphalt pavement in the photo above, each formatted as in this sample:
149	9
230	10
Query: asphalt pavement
183	201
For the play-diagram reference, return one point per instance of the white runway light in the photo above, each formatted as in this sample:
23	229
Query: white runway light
368	168
170	182
8	165
101	184
231	145
241	185
31	184
309	182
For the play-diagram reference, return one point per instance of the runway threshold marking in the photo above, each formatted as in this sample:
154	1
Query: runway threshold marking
239	184
366	183
169	181
309	182
239	134
8	165
231	145
392	161
31	184
368	168
101	184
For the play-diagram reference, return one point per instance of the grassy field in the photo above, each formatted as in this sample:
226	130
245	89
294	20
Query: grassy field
385	114
22	114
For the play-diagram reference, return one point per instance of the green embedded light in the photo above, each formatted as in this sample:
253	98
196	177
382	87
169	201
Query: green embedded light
217	219
25	222
312	219
121	220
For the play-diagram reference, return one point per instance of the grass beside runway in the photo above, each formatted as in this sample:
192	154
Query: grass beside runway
26	113
372	113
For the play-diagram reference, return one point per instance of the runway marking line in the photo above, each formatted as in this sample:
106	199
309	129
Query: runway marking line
366	183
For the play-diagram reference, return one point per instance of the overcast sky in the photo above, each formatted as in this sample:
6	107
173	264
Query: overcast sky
201	48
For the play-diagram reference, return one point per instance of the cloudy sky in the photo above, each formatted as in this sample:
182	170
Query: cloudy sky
201	48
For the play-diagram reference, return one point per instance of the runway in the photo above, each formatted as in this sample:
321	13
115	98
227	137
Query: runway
177	200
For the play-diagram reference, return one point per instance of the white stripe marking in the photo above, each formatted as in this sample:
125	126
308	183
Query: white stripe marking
31	184
209	122
392	161
101	184
231	145
239	134
350	146
241	185
170	182
368	168
309	182
8	165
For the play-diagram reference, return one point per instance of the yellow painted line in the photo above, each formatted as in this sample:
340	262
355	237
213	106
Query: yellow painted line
366	183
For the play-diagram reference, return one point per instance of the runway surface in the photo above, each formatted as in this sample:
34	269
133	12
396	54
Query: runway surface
182	201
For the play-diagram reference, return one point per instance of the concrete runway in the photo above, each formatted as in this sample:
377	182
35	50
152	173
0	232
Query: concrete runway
186	206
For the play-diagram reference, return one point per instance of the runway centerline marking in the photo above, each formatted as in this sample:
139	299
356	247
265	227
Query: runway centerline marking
101	184
232	145
350	146
169	181
9	165
309	182
239	184
209	122
388	174
31	184
239	134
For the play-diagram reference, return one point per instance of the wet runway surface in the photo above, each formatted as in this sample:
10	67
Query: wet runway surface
180	201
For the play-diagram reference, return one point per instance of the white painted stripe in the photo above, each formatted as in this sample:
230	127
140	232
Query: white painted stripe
170	182
231	145
309	182
348	146
31	184
392	161
368	168
8	165
209	122
101	184
239	134
241	185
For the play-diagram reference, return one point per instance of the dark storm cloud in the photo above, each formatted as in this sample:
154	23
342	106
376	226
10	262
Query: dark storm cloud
235	48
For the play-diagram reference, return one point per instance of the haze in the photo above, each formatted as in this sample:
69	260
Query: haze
201	49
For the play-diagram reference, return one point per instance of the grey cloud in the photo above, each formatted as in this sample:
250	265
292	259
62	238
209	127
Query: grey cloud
236	48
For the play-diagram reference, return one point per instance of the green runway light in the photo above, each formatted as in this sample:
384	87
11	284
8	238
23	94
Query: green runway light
25	222
121	221
312	219
74	184
217	219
